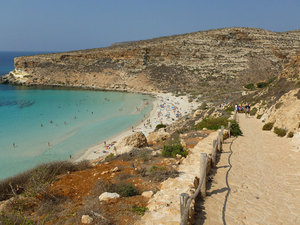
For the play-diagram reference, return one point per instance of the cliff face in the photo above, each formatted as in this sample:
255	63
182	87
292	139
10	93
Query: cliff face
198	63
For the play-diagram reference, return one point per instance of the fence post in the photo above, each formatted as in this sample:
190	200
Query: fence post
229	126
222	134
203	166
234	116
214	153
183	200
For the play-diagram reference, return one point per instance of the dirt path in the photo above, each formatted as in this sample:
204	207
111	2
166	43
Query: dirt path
264	181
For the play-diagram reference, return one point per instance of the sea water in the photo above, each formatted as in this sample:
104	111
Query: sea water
41	125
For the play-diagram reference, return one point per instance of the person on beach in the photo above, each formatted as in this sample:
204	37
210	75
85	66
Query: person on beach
14	145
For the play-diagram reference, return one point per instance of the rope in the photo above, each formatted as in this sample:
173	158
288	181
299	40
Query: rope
227	184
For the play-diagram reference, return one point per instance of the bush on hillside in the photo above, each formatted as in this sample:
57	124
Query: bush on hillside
268	126
235	129
212	123
261	84
158	126
124	189
259	116
229	109
250	86
280	131
173	149
290	134
253	111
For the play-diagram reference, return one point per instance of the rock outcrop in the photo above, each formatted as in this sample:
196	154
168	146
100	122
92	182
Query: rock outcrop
136	140
200	62
157	137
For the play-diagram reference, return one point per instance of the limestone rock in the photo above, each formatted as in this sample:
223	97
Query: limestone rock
147	194
197	113
86	219
137	139
285	112
157	137
116	169
105	196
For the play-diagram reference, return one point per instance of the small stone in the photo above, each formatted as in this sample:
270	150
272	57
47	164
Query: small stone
107	196
178	162
178	156
86	219
116	169
104	172
147	194
204	128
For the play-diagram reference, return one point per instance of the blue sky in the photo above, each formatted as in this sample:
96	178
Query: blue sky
61	25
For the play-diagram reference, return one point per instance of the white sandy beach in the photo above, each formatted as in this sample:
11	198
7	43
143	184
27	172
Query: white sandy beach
167	108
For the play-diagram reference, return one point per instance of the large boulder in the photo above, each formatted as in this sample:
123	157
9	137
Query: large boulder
136	140
197	113
157	137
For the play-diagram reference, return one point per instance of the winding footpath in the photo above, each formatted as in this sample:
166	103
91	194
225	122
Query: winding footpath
264	181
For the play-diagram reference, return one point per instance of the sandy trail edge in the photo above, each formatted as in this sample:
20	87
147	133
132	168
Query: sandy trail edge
264	180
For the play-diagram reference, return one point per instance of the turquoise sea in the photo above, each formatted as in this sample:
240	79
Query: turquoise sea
41	125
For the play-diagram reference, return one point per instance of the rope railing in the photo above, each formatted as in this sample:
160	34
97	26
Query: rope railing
185	199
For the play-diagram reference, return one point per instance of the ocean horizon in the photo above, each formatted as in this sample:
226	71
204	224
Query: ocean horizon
41	125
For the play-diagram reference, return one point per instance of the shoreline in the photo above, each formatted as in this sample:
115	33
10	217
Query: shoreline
166	108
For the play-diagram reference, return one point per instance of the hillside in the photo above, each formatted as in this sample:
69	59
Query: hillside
197	63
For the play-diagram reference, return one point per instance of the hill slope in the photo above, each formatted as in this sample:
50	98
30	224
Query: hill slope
199	62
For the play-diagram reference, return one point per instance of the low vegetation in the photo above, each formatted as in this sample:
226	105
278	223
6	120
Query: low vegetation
158	126
259	116
250	86
268	126
35	180
261	84
280	131
174	149
235	129
123	189
253	111
212	123
290	134
139	210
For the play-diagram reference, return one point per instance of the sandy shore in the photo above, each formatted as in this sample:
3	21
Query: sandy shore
167	108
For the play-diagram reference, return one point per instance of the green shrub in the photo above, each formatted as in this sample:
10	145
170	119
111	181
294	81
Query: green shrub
203	106
280	131
261	84
290	134
235	129
278	105
212	123
124	189
173	149
250	86
156	168
268	126
259	116
253	111
139	210
158	126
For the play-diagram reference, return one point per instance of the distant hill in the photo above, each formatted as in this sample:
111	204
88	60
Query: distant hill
211	63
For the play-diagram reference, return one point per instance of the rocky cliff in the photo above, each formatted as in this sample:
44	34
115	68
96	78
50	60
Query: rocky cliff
198	63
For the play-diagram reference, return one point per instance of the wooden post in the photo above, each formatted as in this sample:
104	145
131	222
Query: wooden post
234	116
214	153
222	134
229	126
183	200
218	143
203	166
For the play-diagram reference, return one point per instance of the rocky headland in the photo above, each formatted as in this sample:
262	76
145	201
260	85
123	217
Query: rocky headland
207	63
